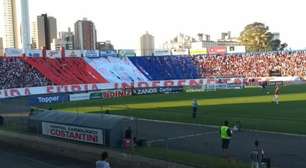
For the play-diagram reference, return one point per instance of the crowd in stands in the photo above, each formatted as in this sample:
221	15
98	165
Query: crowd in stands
166	67
14	73
66	71
253	65
17	72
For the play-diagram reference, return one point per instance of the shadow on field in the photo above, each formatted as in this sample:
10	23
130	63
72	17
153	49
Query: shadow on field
285	151
14	105
285	117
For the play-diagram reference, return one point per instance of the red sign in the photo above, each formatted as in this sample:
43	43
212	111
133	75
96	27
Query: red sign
116	93
217	50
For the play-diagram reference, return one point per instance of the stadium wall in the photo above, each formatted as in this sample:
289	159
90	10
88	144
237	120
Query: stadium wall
30	91
57	89
80	151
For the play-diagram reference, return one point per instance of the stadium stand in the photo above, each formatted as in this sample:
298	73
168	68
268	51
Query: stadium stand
14	73
166	67
65	71
116	69
253	65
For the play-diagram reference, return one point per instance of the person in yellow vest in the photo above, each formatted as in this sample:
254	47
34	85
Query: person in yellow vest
226	135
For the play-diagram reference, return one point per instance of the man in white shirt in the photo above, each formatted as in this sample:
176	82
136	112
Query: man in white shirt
103	163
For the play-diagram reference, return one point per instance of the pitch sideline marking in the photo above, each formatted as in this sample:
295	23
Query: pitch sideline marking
214	126
181	137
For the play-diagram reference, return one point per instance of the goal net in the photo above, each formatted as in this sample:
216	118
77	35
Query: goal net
210	84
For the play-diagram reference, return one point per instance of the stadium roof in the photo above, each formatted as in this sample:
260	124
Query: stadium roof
103	121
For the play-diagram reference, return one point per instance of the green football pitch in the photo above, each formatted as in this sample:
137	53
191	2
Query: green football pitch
253	107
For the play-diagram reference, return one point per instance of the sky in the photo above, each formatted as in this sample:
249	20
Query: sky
124	21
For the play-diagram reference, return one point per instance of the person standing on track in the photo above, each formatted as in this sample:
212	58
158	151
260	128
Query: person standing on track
264	85
194	108
276	94
128	138
103	163
226	135
256	155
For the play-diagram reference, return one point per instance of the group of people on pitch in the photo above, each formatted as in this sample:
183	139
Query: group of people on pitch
127	143
258	159
257	155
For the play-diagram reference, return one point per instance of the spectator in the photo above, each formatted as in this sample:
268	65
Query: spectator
103	163
253	64
1	121
128	140
256	155
14	73
264	85
226	135
237	126
128	133
194	108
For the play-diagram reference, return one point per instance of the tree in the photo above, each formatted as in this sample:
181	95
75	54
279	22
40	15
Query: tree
256	37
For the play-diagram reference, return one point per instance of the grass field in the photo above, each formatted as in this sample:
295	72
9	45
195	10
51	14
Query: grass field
191	159
252	107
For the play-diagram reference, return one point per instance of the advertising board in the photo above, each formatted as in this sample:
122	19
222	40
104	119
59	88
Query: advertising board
174	89
48	99
198	52
95	95
235	49
217	50
162	90
160	52
73	53
79	96
92	54
53	54
33	53
81	134
109	53
108	94
28	91
127	53
13	52
189	89
144	91
116	93
180	52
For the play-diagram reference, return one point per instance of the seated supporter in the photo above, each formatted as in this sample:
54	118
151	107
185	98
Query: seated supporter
14	73
252	64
